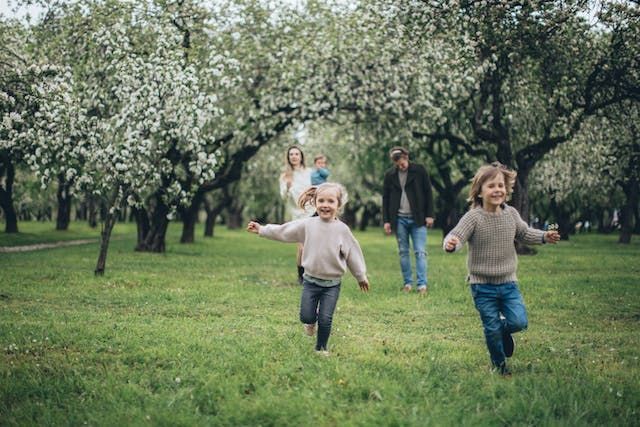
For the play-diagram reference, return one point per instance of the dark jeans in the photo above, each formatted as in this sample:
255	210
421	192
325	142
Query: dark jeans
318	304
492	300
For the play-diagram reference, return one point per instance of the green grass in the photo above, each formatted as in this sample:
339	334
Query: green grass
207	334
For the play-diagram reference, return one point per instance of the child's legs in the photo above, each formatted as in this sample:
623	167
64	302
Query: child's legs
402	235
309	302
513	308
328	301
487	301
419	238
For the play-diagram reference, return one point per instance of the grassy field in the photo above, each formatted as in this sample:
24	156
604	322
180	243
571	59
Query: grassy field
208	334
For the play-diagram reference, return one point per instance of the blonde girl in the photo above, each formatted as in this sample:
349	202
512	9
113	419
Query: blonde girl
491	227
295	179
330	249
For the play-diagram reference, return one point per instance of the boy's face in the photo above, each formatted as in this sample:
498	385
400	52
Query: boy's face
402	163
321	163
493	192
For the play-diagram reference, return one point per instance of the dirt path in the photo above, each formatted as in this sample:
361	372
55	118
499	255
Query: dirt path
39	246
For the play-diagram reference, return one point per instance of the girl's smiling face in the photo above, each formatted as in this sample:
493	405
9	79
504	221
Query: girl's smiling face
327	204
493	193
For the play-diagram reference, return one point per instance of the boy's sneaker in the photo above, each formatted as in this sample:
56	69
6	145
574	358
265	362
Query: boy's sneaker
310	329
406	288
503	370
423	290
508	344
324	353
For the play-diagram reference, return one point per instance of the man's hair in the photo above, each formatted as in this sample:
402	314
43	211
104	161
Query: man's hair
397	152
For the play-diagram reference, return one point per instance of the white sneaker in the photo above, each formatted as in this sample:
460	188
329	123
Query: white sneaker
324	353
310	329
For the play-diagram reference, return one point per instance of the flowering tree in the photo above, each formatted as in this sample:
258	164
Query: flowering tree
547	71
19	101
124	135
598	170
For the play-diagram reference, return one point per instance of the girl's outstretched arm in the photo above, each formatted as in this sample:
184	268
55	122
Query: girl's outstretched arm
253	227
551	236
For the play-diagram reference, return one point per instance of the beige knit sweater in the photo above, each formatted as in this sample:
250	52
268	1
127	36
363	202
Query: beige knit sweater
492	254
329	246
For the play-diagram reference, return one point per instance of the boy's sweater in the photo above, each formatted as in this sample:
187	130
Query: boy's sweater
319	176
492	254
329	246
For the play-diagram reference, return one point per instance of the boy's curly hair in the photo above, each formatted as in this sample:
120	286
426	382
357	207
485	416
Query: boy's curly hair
486	173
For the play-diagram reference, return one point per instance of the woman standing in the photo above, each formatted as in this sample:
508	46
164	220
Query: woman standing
294	180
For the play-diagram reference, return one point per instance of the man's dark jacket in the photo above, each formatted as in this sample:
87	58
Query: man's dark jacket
418	189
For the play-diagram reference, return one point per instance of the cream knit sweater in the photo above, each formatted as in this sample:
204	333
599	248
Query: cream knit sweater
329	246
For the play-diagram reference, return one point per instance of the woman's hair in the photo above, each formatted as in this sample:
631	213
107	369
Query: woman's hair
308	197
486	173
287	164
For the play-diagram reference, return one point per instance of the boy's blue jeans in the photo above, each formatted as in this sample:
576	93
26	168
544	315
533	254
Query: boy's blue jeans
318	304
491	300
407	228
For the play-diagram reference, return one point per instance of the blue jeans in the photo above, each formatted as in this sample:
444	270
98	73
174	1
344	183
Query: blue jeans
318	304
406	229
491	300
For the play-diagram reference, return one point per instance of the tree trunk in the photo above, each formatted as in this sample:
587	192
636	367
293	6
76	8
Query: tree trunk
6	195
213	210
64	204
209	224
155	239
630	189
368	215
190	218
636	215
562	217
234	218
448	214
520	201
349	216
104	244
92	214
142	224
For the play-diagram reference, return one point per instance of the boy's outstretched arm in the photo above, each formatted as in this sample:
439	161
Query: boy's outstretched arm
253	227
451	243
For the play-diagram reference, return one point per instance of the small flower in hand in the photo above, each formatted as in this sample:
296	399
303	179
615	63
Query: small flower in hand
552	235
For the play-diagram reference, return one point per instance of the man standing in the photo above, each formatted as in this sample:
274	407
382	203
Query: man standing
407	209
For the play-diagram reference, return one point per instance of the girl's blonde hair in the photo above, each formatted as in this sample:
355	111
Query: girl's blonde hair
308	197
486	173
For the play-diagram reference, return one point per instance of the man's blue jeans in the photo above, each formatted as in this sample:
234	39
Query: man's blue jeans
318	303
408	229
491	300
